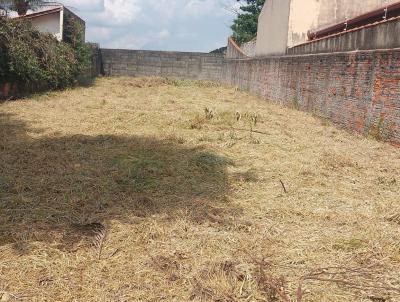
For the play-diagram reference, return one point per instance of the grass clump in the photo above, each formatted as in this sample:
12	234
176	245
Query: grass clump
380	130
208	161
190	83
143	174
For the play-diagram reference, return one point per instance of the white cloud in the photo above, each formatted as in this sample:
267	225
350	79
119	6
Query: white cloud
196	25
128	41
198	8
85	5
107	12
165	9
163	34
99	33
122	11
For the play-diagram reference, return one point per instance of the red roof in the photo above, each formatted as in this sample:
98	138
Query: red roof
42	13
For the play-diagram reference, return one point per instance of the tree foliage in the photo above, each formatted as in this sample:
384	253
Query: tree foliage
21	6
36	61
245	25
74	35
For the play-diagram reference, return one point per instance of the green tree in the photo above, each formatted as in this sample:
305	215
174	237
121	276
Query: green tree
73	35
245	25
21	6
34	61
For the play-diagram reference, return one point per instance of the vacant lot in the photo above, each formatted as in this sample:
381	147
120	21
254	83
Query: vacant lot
162	190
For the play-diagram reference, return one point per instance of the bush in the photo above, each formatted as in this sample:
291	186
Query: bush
35	61
74	35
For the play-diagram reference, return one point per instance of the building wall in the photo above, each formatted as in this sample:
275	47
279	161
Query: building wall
120	62
335	11
70	19
356	90
273	27
95	68
303	16
385	35
49	24
285	23
249	48
233	51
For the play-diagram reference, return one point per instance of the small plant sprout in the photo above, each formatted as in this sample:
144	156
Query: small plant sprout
252	119
208	113
238	116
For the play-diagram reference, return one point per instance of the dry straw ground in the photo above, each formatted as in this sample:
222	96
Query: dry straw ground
158	190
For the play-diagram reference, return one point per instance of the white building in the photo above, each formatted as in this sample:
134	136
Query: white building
53	20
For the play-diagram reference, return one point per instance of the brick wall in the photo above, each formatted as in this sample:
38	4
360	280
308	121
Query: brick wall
359	91
118	62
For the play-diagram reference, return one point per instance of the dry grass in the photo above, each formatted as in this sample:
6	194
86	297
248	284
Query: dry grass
131	190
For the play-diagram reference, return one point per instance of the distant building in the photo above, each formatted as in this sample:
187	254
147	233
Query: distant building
286	23
54	20
249	48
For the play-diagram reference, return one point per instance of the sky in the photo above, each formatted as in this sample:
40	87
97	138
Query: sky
183	25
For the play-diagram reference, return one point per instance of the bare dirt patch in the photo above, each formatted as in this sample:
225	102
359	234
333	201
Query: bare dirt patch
169	190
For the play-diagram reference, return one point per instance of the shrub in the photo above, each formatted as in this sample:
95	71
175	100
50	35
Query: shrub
74	35
35	61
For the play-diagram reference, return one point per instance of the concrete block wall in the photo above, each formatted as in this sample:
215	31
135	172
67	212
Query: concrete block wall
249	48
233	51
202	66
359	91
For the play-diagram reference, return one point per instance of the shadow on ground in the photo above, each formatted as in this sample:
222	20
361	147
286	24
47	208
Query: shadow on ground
51	184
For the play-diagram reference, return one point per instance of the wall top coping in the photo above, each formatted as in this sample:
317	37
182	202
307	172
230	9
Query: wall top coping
324	54
165	52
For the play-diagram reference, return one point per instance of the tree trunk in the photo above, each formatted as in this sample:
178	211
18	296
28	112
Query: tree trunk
22	7
5	90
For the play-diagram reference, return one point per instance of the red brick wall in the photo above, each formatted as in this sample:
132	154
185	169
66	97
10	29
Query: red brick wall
359	91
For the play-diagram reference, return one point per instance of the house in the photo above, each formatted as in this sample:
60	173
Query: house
54	20
286	23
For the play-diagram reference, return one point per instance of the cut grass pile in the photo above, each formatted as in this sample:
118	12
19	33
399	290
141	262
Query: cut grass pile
168	190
